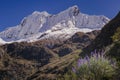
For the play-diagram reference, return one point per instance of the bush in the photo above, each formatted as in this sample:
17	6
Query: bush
95	67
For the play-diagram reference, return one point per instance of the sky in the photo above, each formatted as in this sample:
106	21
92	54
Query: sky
13	11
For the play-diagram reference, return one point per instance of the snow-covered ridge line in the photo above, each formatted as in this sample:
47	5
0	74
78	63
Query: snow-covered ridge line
42	25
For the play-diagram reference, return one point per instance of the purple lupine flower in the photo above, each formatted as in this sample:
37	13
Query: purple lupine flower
73	69
95	58
79	62
87	58
82	61
95	52
92	53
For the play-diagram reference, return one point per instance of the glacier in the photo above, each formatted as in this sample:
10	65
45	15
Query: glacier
42	25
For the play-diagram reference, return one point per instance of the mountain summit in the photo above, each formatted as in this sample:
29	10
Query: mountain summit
42	25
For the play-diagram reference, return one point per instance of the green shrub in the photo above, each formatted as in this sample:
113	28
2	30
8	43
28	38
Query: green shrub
116	36
95	67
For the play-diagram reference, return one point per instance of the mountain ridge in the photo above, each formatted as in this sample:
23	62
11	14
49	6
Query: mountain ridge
65	23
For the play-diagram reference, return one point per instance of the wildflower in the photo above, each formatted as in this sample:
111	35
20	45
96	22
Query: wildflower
96	65
73	69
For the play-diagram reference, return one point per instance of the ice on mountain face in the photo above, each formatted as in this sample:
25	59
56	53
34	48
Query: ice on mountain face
2	41
74	11
61	18
34	22
91	22
63	33
29	25
40	25
44	13
76	19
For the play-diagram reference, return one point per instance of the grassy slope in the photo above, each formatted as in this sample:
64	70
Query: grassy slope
55	67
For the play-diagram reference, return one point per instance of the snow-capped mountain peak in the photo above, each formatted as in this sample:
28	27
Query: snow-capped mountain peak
41	13
41	25
72	11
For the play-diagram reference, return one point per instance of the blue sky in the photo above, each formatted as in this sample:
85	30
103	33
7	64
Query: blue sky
13	11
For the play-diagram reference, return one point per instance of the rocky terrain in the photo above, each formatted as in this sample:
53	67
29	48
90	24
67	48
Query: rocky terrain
37	58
